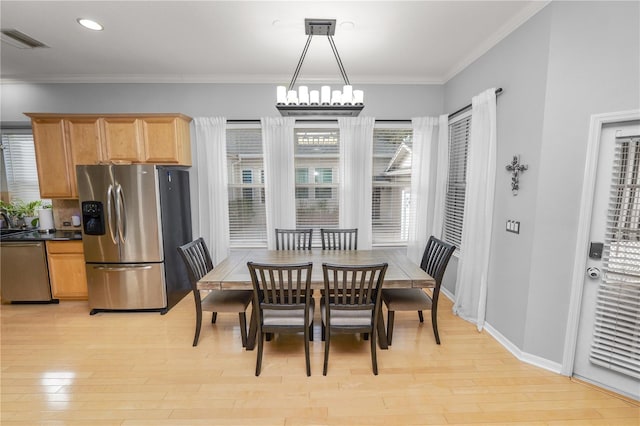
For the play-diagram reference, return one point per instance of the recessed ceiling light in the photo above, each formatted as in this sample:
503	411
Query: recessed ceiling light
347	25
88	23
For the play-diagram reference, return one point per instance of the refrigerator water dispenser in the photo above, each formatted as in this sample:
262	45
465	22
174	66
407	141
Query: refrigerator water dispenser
93	218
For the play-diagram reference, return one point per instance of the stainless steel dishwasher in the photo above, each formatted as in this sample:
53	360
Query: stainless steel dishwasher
24	275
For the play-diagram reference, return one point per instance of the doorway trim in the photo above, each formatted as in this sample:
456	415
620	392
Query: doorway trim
584	226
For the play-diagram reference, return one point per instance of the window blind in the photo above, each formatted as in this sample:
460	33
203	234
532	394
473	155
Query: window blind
459	133
316	164
616	339
245	168
20	166
391	185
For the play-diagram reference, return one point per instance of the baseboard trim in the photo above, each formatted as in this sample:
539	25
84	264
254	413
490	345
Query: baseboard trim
508	345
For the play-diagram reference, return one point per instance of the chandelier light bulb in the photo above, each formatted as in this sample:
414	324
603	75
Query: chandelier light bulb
281	95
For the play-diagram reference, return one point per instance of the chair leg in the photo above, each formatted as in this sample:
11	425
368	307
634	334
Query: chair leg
214	317
390	318
434	322
243	328
323	332
374	359
311	332
306	349
420	316
259	355
326	350
268	336
198	322
365	336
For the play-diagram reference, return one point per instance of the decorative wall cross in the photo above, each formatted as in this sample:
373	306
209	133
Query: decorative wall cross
516	168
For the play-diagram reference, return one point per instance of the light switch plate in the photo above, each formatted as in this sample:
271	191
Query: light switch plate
513	226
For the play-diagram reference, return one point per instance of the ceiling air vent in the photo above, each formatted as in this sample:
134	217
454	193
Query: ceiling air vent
20	40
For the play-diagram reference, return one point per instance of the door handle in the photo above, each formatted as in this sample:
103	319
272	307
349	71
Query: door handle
121	213
110	202
121	268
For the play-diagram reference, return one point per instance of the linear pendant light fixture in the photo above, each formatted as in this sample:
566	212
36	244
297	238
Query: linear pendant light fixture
325	102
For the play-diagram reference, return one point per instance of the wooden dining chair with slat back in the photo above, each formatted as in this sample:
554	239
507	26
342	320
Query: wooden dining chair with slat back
339	239
198	262
282	297
353	303
293	239
434	261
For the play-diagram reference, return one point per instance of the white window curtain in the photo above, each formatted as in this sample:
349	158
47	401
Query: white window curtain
442	175
279	175
425	133
356	169
473	267
209	195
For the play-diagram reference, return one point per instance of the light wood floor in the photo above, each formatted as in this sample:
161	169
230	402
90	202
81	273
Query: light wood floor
62	366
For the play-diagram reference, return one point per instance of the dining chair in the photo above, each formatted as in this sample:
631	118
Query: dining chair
351	303
293	239
198	262
434	261
282	295
339	239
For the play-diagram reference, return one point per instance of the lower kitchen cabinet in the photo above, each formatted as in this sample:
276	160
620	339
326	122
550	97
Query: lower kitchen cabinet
67	273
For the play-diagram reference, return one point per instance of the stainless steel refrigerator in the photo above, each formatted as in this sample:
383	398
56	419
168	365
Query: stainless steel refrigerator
133	219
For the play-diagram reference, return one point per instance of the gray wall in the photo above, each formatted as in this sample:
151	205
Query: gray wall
248	101
571	60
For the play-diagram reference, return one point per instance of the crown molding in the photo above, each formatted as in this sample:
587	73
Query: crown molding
510	26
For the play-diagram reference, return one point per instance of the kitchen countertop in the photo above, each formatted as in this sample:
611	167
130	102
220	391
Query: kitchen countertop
35	235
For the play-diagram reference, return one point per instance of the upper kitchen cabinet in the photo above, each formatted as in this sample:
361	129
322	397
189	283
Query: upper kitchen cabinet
122	138
167	140
63	141
52	158
84	145
157	139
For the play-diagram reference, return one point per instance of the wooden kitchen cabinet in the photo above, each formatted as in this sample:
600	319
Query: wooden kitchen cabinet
52	158
122	139
167	140
84	145
63	141
67	273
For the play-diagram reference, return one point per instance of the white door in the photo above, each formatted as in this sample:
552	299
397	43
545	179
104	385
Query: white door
615	293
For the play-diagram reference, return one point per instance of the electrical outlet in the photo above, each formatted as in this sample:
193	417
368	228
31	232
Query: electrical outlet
513	226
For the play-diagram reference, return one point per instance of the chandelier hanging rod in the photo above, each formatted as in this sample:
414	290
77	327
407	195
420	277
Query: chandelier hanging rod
319	27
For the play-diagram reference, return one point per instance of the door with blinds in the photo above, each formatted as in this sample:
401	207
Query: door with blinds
608	346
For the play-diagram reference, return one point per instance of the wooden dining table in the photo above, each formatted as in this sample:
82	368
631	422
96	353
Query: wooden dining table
233	273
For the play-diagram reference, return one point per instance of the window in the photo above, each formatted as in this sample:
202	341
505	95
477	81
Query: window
247	214
459	133
316	162
247	177
391	187
20	165
302	177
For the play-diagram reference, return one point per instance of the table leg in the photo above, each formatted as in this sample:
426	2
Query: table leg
382	332
253	328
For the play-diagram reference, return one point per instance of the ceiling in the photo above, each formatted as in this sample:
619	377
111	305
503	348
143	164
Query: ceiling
253	41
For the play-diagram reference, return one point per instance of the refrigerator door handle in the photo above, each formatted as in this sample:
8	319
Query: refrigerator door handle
122	268
110	202
121	213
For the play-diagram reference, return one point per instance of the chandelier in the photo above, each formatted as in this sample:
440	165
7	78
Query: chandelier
304	102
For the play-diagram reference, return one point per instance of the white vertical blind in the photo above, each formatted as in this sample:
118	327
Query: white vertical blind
316	164
459	133
20	166
616	339
391	186
245	166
